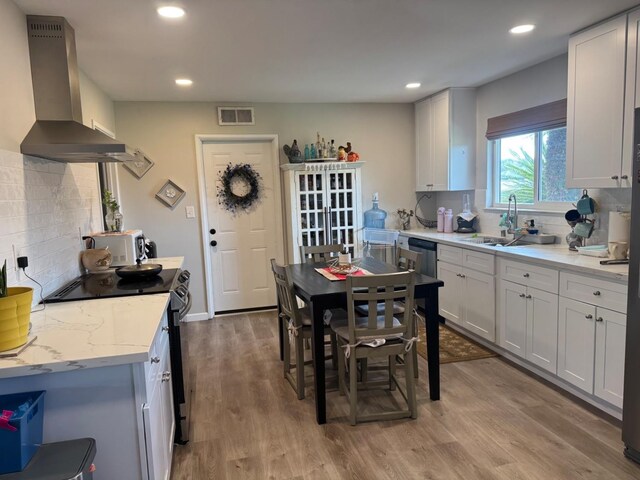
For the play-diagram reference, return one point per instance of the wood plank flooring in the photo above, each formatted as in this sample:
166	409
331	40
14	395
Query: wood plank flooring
493	422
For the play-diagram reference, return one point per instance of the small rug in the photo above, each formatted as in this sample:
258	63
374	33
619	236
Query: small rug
453	346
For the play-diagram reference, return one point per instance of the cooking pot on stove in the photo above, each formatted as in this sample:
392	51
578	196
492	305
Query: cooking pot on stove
139	270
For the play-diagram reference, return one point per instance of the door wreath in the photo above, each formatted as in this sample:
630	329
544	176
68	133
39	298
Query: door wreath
240	188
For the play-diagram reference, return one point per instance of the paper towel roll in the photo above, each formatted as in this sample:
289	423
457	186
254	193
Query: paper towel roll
619	225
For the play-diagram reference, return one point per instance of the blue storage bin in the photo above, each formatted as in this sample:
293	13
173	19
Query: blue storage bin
17	447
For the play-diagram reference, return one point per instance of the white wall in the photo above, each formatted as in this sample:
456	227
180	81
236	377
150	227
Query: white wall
42	203
381	133
537	85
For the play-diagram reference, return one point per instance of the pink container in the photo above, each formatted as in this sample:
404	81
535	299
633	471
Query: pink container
448	221
440	219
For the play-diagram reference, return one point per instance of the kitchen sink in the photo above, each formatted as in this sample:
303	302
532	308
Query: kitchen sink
495	241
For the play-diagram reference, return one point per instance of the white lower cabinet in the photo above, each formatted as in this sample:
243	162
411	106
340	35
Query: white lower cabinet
611	329
576	343
468	297
528	323
450	298
157	412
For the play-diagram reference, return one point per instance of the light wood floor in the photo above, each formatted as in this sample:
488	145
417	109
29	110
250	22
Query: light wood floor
493	422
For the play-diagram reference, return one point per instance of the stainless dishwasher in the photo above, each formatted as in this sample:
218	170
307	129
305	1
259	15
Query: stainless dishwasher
429	258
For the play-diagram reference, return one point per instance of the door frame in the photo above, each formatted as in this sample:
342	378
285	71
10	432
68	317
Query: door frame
200	141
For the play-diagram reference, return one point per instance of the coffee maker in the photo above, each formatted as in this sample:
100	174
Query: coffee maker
466	225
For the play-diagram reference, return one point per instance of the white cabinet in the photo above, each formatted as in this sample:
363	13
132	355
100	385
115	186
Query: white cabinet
450	299
611	328
157	411
576	343
542	278
601	293
542	329
445	141
598	150
528	323
323	205
468	296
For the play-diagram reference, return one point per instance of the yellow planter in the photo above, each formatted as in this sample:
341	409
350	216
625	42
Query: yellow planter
15	312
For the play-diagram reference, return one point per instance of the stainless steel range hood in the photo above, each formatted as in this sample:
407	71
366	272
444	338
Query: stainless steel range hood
59	133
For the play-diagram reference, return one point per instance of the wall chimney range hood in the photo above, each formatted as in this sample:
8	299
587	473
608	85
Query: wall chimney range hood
59	133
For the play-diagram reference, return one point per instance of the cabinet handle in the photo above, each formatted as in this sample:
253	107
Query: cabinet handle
429	185
529	296
599	319
597	293
155	359
614	177
522	295
166	376
526	275
165	329
624	177
463	276
588	317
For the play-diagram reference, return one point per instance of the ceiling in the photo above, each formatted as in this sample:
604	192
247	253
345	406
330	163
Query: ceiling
313	50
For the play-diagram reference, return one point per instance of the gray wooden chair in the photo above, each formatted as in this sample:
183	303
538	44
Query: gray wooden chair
405	260
296	326
397	331
320	253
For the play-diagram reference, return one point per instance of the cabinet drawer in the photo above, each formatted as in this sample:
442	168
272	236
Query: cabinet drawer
449	254
542	278
594	291
482	262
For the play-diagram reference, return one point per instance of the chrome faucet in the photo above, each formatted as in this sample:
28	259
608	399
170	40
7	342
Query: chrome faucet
512	219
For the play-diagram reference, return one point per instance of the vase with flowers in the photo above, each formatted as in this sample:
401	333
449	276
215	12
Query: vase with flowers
113	218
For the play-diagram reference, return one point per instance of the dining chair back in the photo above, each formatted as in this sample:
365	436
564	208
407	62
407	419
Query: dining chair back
286	296
320	253
408	259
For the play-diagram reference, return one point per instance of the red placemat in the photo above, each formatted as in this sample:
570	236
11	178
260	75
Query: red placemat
327	273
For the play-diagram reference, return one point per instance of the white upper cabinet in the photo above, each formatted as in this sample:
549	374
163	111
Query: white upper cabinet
445	141
598	138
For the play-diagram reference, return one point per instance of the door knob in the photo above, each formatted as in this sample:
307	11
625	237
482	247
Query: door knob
529	296
212	231
213	243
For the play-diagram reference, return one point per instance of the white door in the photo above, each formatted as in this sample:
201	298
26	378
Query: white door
440	159
450	295
542	329
479	295
611	330
512	317
247	240
576	343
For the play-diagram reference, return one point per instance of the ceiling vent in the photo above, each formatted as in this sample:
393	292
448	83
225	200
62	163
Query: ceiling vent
236	116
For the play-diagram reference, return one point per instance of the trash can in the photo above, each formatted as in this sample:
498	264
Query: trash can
70	460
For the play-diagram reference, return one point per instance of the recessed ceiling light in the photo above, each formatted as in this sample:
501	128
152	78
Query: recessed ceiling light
183	82
171	12
412	85
522	29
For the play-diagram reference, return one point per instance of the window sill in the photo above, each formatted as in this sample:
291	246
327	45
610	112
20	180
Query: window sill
533	211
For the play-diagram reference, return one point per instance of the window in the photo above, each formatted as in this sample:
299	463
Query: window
532	165
529	156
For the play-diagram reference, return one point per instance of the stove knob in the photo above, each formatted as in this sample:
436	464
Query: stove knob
181	291
184	276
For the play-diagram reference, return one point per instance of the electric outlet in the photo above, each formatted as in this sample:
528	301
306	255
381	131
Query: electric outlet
190	211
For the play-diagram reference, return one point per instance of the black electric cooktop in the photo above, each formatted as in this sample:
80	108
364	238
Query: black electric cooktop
109	285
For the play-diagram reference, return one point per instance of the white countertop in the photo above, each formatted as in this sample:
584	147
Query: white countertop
91	333
557	255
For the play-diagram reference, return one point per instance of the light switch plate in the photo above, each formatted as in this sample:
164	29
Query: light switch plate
190	211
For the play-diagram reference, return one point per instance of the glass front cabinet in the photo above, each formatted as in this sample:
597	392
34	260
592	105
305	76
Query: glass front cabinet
324	205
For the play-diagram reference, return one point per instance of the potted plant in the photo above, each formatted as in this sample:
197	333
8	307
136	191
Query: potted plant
15	313
113	218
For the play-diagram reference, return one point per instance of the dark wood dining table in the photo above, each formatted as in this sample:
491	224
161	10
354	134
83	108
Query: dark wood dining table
322	294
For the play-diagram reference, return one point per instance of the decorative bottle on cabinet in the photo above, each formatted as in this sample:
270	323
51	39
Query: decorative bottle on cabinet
375	217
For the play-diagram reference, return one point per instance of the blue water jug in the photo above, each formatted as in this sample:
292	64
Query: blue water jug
375	217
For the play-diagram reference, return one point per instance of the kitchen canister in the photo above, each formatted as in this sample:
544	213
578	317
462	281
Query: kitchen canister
441	219
448	221
619	226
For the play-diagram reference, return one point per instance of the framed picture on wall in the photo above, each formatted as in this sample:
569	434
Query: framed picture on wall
170	194
140	166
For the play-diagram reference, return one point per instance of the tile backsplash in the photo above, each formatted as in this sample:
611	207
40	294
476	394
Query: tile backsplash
43	206
607	200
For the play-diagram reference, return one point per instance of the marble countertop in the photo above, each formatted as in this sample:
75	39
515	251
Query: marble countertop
91	333
557	255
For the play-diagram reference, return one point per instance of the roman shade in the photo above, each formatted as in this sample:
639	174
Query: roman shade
543	117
